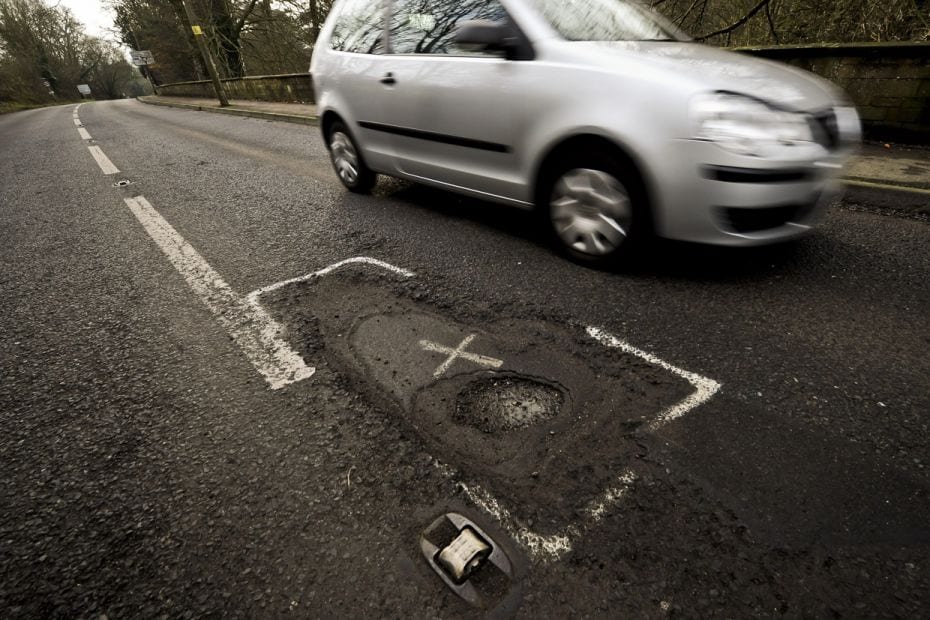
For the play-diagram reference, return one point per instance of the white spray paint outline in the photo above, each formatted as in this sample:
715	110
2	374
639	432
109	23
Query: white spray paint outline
255	295
549	548
459	352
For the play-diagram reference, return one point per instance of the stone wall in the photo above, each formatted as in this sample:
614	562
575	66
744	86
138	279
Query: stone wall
888	82
292	88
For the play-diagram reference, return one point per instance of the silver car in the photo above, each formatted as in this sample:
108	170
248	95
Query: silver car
597	113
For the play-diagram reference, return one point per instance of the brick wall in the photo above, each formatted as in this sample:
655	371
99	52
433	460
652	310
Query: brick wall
888	82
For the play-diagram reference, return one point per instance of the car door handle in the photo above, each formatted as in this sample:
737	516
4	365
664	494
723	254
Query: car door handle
388	79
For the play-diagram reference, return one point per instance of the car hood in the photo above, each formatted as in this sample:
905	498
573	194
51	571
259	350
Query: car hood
715	69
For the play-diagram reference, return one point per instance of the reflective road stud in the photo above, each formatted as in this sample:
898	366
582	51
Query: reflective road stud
464	555
467	560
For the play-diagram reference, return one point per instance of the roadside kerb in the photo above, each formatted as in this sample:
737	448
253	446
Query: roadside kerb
893	200
884	186
234	111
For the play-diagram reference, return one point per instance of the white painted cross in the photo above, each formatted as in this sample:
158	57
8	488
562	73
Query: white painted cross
459	352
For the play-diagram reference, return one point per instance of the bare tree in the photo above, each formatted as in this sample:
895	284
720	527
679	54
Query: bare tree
44	50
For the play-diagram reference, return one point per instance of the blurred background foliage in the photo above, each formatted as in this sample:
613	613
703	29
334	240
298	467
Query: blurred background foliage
773	22
41	43
45	54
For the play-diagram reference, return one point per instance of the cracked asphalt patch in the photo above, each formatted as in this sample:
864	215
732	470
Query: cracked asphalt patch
673	518
378	333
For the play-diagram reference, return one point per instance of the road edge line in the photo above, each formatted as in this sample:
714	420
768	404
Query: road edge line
885	187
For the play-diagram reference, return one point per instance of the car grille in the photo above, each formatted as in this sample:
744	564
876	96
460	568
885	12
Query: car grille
754	220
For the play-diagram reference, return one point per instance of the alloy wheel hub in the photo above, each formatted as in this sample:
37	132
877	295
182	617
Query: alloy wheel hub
344	157
591	211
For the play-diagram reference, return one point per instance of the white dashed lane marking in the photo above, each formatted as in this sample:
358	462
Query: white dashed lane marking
249	325
102	160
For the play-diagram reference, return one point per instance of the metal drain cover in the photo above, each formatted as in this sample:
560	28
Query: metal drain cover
504	403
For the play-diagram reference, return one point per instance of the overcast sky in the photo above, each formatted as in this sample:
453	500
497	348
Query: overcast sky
92	14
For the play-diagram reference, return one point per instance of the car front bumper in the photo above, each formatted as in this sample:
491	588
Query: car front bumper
708	195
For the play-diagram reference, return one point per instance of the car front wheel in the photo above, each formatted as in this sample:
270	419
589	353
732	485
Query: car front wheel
347	161
594	208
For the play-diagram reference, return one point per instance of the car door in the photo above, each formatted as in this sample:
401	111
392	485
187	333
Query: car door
450	111
355	65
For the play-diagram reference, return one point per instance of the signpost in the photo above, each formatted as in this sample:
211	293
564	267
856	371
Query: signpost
84	89
142	58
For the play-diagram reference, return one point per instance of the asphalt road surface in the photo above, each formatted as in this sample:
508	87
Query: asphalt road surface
205	411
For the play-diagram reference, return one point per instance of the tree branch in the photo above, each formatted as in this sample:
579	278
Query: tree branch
772	28
737	24
245	16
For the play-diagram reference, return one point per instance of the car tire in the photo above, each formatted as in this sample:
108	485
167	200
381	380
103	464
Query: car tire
347	160
594	207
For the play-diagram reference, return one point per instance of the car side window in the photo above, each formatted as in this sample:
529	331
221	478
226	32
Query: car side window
428	26
359	27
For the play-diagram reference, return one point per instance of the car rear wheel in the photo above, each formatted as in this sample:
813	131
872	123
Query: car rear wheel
594	209
347	161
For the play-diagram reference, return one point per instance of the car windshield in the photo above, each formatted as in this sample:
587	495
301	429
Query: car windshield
606	20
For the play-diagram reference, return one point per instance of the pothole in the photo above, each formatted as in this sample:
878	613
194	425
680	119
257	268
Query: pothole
500	404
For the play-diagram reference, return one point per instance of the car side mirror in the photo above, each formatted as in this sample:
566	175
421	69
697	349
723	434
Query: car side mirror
481	35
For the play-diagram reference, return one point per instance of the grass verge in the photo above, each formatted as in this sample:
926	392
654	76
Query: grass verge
14	106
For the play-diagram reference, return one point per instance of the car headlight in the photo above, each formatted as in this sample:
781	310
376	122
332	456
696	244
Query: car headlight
747	126
848	124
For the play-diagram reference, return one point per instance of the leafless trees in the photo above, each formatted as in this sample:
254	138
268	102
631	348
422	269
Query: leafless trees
279	36
759	22
246	37
45	54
